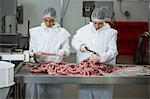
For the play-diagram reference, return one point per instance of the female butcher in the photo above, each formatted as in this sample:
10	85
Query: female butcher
99	37
49	37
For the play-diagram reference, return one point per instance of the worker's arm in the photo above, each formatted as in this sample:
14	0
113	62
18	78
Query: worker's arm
112	52
76	41
66	47
32	41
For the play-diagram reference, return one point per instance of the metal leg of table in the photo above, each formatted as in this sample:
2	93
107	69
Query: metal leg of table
149	91
10	92
17	91
22	90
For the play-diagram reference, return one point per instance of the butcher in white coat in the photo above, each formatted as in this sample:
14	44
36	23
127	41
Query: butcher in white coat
101	38
48	38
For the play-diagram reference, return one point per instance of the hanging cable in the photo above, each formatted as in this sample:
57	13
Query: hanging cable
64	12
126	13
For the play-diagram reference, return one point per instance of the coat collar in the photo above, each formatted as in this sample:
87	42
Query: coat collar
106	26
56	25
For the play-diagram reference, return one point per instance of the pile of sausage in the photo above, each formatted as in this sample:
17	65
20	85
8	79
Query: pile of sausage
84	68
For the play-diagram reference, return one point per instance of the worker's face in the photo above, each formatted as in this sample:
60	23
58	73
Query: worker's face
98	24
49	22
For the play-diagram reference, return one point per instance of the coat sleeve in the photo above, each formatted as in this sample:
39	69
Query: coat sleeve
66	47
111	52
32	42
76	41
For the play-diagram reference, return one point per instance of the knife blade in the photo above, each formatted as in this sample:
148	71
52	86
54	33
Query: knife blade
91	51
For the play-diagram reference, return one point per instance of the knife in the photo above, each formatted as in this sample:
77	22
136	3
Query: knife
91	51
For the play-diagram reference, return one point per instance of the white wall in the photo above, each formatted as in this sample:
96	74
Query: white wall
10	20
8	9
0	8
73	19
138	10
32	11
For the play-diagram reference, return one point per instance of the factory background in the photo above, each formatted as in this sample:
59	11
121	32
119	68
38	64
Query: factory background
73	18
73	14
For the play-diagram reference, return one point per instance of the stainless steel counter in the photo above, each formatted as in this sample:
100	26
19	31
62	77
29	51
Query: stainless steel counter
22	75
4	92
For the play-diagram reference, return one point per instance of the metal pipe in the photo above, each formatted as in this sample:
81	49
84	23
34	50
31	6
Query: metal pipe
149	31
3	24
10	28
61	13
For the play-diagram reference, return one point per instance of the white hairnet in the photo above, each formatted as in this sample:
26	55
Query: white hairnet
49	12
98	14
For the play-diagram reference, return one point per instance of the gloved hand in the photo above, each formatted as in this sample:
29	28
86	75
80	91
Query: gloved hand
94	58
37	54
83	47
61	53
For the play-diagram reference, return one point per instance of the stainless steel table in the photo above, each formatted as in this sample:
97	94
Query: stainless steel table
4	92
22	75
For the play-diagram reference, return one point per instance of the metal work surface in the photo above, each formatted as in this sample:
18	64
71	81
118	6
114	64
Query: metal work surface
4	92
22	75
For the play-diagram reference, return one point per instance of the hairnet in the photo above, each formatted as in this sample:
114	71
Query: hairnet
98	14
49	12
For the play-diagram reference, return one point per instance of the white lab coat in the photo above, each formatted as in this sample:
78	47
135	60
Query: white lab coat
103	42
47	40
